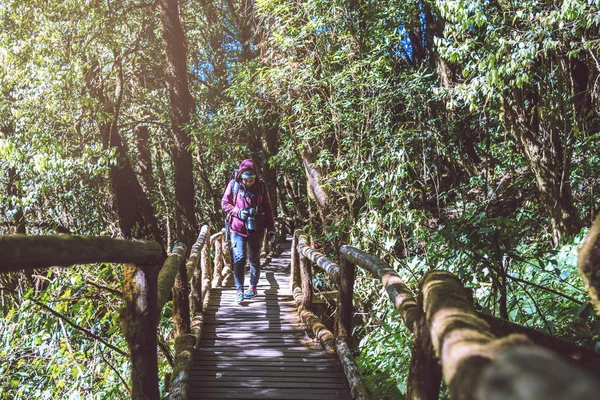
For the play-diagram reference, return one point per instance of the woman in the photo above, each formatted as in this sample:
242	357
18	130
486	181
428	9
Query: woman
249	213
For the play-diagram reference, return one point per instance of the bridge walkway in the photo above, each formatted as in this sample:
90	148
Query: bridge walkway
259	350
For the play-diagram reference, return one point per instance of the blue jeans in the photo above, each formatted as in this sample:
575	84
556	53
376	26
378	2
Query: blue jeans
242	248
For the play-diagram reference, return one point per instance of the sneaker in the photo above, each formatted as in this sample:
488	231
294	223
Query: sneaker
251	292
240	297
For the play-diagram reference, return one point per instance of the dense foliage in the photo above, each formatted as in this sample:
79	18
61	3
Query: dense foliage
459	135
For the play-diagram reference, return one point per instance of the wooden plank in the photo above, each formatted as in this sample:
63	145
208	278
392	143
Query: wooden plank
253	303
266	363
249	313
268	353
251	335
270	383
245	343
267	393
249	325
241	322
262	342
217	327
300	375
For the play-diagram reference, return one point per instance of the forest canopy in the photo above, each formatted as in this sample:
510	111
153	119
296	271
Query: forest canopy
460	135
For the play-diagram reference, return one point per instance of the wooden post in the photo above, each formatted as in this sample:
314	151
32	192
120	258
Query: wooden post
217	240
306	278
345	309
266	246
207	270
343	330
295	266
358	389
140	319
180	380
424	376
424	372
195	272
181	302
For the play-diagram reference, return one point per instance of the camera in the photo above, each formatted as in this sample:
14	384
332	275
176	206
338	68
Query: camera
251	221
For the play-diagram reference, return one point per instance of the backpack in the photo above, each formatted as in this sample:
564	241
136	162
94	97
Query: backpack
234	192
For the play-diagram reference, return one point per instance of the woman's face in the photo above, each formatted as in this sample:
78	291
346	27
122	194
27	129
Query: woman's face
249	182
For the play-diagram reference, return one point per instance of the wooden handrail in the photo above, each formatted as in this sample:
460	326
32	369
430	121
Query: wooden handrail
145	290
202	276
399	293
472	354
331	268
166	276
424	374
474	360
195	273
446	328
188	295
23	251
141	259
302	288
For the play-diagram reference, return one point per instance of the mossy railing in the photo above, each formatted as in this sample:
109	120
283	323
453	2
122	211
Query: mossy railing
142	261
149	278
200	273
478	356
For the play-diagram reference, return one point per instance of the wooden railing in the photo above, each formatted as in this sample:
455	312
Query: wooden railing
142	261
200	274
146	289
301	282
478	356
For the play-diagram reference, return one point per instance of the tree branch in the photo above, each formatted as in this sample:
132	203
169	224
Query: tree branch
535	285
115	371
493	267
103	287
165	349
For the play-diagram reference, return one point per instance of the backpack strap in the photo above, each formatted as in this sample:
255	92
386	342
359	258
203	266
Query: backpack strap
235	188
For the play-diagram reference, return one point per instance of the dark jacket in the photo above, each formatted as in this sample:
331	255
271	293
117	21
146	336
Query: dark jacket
247	198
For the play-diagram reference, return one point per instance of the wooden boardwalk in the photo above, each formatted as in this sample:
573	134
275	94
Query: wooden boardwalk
259	350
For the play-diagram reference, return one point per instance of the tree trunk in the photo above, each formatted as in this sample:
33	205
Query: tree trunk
139	320
144	164
545	155
165	197
182	105
136	214
270	148
13	192
245	16
313	176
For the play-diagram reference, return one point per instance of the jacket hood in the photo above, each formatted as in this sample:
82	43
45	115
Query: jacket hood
244	165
